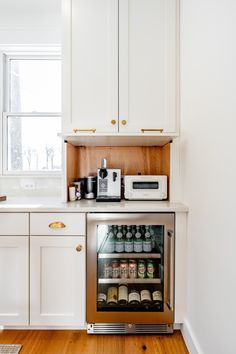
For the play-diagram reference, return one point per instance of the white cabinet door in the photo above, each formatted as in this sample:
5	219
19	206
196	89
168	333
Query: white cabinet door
120	66
90	58
148	32
14	272
57	280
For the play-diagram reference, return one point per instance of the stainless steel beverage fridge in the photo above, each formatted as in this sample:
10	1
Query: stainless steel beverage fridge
130	273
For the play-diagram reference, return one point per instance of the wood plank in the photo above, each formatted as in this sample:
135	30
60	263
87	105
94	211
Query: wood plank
72	163
74	341
131	159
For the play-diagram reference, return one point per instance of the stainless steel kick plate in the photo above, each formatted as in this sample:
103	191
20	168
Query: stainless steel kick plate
128	328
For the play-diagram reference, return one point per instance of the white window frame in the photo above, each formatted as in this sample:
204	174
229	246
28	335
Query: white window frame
7	54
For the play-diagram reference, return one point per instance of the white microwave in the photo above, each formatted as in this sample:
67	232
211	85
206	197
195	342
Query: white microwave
144	187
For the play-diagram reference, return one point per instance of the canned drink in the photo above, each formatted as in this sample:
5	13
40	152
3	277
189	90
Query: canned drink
124	269
141	269
133	269
78	189
107	270
150	268
115	269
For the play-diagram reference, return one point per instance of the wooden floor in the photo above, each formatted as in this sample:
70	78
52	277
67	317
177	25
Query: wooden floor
79	342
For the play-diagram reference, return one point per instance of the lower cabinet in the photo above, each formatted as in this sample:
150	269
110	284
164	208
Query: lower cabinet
14	289
57	280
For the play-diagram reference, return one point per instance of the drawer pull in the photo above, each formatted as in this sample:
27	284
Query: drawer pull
160	130
57	225
79	248
83	130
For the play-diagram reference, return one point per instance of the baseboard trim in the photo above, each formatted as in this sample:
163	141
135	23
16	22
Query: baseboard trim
44	328
190	339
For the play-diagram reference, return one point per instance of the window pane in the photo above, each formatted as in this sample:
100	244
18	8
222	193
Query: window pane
33	144
35	85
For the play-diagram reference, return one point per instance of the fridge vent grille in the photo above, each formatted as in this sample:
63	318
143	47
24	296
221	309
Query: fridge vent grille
124	328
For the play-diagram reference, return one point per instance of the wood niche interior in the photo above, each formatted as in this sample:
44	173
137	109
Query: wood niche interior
84	161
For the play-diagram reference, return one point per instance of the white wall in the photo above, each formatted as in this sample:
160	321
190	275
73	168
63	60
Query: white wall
38	23
30	21
208	160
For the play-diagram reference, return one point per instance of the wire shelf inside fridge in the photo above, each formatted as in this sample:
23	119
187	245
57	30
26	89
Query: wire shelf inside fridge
129	255
129	281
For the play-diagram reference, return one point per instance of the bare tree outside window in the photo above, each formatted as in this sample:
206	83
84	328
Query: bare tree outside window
15	128
32	124
41	151
49	156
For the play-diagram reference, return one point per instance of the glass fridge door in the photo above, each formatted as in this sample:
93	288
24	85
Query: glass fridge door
130	263
131	266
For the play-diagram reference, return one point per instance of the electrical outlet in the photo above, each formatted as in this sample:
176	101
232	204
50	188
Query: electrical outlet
28	184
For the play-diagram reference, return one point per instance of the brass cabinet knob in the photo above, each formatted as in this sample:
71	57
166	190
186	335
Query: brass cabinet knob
79	248
56	225
113	121
123	122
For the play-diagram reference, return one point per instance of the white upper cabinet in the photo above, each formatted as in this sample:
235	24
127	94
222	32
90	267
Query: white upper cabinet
90	65
120	66
147	60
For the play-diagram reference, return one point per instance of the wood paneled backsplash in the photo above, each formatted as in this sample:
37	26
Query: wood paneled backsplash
148	160
131	160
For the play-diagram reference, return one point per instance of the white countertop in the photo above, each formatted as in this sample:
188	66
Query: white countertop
55	205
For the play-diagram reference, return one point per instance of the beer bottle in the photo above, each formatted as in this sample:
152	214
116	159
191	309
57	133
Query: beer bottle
129	244
138	243
119	242
147	242
123	294
157	298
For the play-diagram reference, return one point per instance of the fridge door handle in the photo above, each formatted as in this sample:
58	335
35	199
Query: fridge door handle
171	266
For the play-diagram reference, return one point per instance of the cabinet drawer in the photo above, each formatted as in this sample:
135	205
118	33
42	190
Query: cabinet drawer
57	224
14	224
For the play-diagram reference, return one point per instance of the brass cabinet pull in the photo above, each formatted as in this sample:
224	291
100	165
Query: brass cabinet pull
113	121
160	130
123	122
79	248
56	225
84	130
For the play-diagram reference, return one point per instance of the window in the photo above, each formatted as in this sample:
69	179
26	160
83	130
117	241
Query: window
32	117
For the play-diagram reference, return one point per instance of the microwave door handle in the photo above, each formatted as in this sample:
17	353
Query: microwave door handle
170	271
